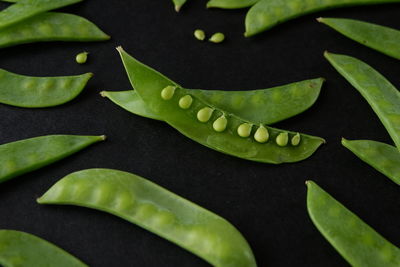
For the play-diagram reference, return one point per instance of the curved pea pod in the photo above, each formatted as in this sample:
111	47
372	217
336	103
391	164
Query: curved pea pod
383	157
266	14
368	34
230	4
157	210
27	155
51	26
39	92
356	241
178	4
381	95
19	249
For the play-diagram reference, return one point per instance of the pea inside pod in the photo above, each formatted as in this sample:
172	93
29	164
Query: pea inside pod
156	209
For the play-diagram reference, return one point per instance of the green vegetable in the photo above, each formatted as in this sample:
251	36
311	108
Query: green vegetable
156	209
39	92
178	4
81	58
230	4
217	38
199	35
356	241
27	155
383	39
19	249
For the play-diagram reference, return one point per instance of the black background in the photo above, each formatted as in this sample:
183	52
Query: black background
265	202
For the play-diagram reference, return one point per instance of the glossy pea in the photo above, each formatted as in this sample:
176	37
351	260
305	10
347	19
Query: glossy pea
220	124
282	139
230	4
156	209
204	114
168	92
26	250
218	37
244	130
199	35
262	134
81	58
27	155
185	102
39	92
381	95
178	4
296	140
356	241
265	14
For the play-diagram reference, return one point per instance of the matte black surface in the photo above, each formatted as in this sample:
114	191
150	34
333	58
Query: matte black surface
265	202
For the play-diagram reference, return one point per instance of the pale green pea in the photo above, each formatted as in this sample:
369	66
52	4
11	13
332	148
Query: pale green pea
262	134
220	124
168	92
217	38
81	58
204	114
185	102
282	139
200	35
244	130
296	140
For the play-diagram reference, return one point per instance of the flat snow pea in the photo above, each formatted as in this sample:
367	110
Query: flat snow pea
356	241
51	26
368	34
27	155
383	157
230	4
382	96
39	92
19	249
178	4
156	209
266	14
198	121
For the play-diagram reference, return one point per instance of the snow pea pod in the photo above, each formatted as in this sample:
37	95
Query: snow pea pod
27	155
157	210
368	34
266	14
383	157
19	249
230	4
198	121
39	92
51	26
382	96
356	241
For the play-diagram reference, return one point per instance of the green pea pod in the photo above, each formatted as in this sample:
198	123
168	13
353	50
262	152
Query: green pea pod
51	26
230	4
39	92
178	4
383	157
368	34
157	210
27	155
266	14
356	241
211	126
382	96
19	249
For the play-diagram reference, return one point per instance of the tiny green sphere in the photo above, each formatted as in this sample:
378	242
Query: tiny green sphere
220	124
262	134
81	58
296	140
185	102
282	139
204	114
200	35
244	130
218	37
168	92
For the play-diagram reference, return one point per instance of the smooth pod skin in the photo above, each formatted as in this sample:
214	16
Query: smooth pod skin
266	14
383	157
148	84
178	4
156	209
27	155
383	39
19	249
230	4
356	241
39	92
381	95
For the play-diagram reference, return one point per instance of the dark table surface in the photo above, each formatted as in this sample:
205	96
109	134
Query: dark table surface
265	202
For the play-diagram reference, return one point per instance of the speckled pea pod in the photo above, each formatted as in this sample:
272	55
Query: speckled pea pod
211	126
230	4
19	249
39	92
382	96
368	34
51	26
383	157
27	155
156	209
266	14
356	241
178	4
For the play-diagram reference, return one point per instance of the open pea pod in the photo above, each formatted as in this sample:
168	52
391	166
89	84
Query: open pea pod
231	4
156	209
356	241
214	127
19	249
